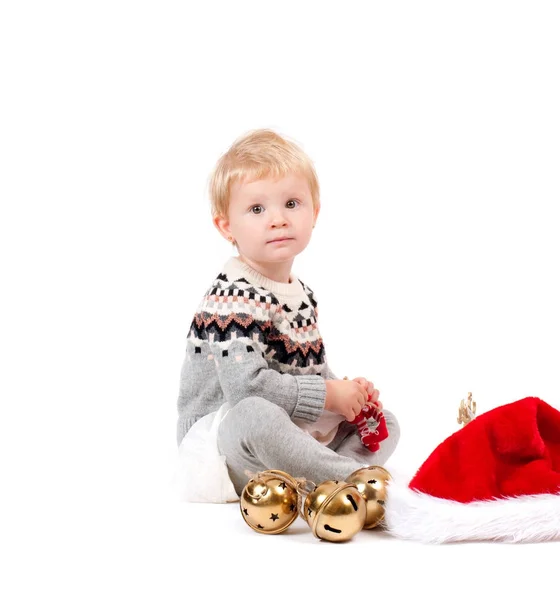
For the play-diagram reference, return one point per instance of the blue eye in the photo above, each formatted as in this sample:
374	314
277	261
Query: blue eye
255	211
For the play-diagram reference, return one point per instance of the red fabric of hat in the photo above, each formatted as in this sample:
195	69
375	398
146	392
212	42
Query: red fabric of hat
498	478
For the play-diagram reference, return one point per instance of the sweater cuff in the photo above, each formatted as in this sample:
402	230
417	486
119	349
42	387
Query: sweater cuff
312	392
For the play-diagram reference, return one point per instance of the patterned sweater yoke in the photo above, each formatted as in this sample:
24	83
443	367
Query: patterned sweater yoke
253	336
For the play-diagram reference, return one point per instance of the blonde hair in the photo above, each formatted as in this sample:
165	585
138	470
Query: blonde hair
258	154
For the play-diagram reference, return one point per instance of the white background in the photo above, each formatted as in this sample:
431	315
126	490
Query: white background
434	128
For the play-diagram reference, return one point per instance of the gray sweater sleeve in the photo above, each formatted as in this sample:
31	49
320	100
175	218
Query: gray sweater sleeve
328	374
243	372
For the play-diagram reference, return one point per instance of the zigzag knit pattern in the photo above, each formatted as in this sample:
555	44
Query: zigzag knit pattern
287	336
244	341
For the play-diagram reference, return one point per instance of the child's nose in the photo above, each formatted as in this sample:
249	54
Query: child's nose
278	219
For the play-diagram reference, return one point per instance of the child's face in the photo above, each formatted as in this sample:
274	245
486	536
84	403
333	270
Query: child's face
265	210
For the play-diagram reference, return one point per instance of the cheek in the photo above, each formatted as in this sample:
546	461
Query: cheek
245	230
307	224
238	224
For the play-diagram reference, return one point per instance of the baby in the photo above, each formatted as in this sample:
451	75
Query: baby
256	389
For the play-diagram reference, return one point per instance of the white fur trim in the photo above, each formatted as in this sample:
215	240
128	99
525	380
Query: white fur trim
417	516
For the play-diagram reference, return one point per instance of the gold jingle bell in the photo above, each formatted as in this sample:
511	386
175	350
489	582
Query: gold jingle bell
269	501
372	485
335	511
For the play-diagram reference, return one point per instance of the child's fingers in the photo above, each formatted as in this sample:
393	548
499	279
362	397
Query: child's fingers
352	412
364	396
360	380
359	393
367	385
375	399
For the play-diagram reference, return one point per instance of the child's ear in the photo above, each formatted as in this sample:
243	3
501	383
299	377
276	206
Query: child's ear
222	225
317	209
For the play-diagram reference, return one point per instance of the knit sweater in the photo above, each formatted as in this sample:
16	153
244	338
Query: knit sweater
253	336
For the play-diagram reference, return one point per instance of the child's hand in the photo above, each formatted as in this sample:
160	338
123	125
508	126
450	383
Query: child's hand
373	394
345	397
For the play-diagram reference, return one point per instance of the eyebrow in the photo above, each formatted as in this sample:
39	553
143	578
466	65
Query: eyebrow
260	198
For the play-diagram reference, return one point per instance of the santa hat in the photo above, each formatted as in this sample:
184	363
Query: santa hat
497	478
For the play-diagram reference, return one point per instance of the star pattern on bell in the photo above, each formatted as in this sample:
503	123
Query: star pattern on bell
269	501
335	510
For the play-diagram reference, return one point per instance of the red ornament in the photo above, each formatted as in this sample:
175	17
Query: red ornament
371	425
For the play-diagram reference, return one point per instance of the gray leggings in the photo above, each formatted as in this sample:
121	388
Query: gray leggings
257	435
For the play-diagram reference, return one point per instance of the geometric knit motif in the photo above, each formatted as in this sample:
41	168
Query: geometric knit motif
287	336
244	338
